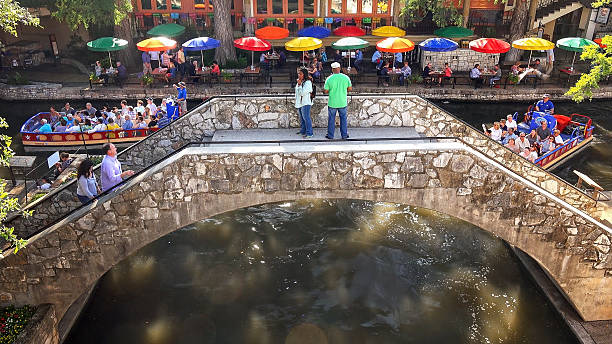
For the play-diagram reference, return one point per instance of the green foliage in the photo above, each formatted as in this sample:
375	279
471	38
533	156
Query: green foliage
96	159
8	204
13	321
36	197
601	68
12	14
233	64
84	13
227	76
17	79
444	13
93	77
147	79
513	78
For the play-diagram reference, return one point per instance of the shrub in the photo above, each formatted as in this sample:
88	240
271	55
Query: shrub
17	79
512	78
13	321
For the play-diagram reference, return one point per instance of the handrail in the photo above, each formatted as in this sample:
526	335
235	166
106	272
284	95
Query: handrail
219	143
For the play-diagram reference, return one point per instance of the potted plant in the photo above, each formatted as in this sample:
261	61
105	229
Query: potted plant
94	78
227	76
146	80
513	79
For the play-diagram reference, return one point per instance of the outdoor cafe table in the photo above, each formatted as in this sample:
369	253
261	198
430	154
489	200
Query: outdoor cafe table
160	74
571	73
273	58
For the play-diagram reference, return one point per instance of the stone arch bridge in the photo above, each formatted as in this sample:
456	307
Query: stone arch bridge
468	177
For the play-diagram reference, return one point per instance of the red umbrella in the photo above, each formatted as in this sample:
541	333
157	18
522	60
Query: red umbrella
349	31
489	46
252	44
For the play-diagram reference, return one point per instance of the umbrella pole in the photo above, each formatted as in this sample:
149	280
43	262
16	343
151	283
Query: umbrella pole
252	65
529	61
202	54
572	68
349	58
109	58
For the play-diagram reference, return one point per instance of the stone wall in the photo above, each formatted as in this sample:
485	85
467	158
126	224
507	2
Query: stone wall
451	178
42	328
460	60
278	112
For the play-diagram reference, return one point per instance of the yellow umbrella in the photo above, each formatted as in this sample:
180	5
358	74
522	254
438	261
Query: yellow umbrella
388	31
531	44
303	44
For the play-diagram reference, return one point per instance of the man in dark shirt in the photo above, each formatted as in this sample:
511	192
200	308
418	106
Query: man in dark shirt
543	131
426	74
121	73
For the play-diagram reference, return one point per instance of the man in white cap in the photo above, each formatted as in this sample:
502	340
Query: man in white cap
182	97
545	105
337	86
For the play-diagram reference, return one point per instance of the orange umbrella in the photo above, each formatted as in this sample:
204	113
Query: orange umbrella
156	44
395	45
598	41
271	32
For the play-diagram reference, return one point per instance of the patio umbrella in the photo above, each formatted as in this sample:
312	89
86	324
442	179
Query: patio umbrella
489	46
438	45
531	44
201	44
156	44
598	41
388	31
107	44
453	32
350	43
167	30
349	31
575	44
303	44
314	31
271	33
252	44
395	45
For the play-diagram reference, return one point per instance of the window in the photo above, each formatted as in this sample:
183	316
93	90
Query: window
351	6
366	6
161	5
292	7
382	6
262	6
175	4
336	6
277	6
308	7
145	4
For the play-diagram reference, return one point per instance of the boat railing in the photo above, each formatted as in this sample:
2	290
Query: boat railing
86	136
557	152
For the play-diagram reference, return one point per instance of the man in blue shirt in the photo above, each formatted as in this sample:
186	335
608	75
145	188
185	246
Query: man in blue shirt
45	128
545	105
146	63
399	58
182	97
358	59
476	76
376	57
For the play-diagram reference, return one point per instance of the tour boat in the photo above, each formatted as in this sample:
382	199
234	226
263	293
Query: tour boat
33	140
576	131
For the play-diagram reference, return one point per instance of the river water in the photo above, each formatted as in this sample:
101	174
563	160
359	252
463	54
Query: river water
331	271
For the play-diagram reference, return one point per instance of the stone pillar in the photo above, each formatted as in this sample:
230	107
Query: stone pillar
549	29
466	12
533	6
590	30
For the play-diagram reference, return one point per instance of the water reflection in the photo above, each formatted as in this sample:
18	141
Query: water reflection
321	272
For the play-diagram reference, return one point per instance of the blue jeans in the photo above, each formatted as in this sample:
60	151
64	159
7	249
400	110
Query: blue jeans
83	199
493	80
331	122
305	121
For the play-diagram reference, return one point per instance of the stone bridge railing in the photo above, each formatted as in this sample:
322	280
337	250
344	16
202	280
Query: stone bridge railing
62	262
243	112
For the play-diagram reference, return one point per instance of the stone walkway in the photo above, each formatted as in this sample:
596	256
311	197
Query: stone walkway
319	134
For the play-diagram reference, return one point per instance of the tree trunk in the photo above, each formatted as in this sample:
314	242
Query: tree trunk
224	31
128	56
518	27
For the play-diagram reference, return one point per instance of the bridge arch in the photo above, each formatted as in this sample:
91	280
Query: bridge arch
62	262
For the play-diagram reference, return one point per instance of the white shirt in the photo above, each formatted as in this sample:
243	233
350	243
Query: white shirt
154	55
496	134
522	144
550	54
559	139
98	127
73	129
139	109
152	107
302	94
511	124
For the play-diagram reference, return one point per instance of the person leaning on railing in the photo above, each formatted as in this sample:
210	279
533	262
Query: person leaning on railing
111	173
87	186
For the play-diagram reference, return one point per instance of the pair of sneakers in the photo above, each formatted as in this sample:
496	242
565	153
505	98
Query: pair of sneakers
331	138
304	135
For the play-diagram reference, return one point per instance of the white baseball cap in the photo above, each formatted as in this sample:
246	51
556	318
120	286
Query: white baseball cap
335	65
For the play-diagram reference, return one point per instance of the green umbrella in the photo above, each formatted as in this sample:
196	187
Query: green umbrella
107	44
350	43
167	30
453	32
575	44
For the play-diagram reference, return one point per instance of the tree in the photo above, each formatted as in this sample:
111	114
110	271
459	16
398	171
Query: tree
224	31
12	14
518	27
601	62
444	12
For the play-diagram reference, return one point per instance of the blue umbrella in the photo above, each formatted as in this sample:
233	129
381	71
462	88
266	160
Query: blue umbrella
438	44
200	44
314	31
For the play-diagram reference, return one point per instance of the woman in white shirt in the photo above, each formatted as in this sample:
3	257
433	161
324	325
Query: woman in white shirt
87	186
303	102
510	123
496	132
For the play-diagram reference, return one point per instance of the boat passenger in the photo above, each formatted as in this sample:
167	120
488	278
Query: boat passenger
76	127
543	131
162	120
127	124
69	120
502	124
533	153
151	105
100	126
139	109
525	153
62	126
140	123
509	135
54	116
68	109
545	105
90	109
511	123
548	145
87	125
124	107
112	125
512	146
496	132
152	123
522	142
558	138
532	137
